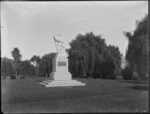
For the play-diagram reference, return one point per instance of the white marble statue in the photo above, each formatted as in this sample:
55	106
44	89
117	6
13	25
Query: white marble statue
60	45
60	75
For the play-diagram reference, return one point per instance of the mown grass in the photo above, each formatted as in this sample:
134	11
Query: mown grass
97	96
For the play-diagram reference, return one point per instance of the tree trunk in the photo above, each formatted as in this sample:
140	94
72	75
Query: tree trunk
46	75
147	56
16	73
35	72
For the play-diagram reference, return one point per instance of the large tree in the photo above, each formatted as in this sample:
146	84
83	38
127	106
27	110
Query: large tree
137	51
88	56
83	53
112	64
17	58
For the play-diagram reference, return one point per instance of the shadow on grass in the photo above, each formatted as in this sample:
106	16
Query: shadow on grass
133	81
140	87
38	79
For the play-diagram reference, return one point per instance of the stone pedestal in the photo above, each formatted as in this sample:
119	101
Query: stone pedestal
60	75
60	68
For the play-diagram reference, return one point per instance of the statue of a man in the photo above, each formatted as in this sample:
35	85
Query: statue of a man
60	45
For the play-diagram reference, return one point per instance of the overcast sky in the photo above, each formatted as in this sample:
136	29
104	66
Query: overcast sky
31	25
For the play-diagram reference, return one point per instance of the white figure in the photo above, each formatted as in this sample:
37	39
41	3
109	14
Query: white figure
60	45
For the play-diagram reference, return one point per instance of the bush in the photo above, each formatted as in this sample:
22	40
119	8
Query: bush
8	77
13	76
22	77
143	77
127	73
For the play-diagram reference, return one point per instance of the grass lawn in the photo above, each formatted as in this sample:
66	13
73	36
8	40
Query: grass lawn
97	96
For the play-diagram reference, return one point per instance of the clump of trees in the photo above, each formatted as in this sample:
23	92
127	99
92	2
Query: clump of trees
6	67
137	54
45	67
89	56
16	66
26	69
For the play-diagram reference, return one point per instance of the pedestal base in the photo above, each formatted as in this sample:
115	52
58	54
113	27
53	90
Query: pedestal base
59	83
60	76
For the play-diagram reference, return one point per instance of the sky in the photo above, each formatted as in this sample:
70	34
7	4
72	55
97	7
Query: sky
30	26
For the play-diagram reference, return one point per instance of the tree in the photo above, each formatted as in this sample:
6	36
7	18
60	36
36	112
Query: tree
89	54
6	67
112	64
82	55
45	67
17	58
127	73
35	60
137	51
26	68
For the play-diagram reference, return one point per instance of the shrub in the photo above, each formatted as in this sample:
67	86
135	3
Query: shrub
143	77
22	77
13	76
127	73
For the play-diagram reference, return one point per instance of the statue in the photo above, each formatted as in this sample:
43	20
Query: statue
60	75
60	45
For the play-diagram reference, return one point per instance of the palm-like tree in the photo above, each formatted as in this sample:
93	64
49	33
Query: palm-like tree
17	58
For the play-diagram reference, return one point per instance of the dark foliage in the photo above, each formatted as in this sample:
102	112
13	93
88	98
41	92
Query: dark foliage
45	67
17	58
89	56
6	67
137	54
127	73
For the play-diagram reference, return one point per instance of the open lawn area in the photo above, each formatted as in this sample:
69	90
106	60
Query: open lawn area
98	95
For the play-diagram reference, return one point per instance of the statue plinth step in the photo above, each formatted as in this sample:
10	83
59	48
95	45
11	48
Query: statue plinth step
57	83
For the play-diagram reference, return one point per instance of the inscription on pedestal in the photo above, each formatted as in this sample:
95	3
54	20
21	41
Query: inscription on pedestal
61	63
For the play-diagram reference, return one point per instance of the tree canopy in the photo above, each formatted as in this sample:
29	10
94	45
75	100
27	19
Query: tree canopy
137	51
6	66
16	54
89	56
17	58
45	67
